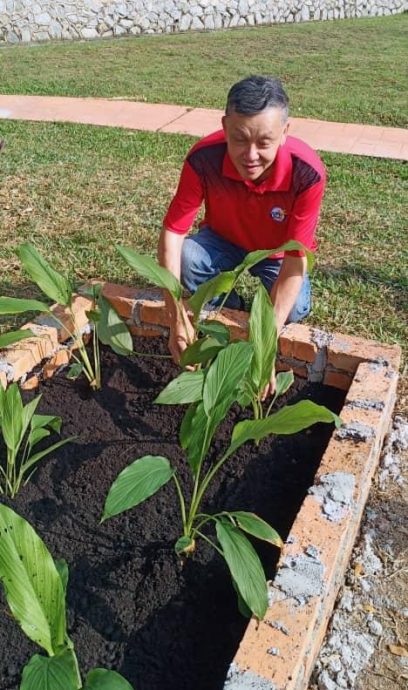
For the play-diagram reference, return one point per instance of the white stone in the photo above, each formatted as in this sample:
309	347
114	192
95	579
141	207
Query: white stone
119	30
197	24
127	23
135	30
209	22
43	19
185	22
25	35
305	13
41	36
89	33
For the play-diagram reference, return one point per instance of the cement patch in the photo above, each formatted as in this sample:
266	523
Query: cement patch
301	577
335	494
356	431
246	680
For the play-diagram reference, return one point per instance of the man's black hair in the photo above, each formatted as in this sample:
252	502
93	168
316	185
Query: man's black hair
254	94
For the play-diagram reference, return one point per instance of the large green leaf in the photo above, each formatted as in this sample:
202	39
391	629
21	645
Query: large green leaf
264	338
219	392
260	254
136	483
223	282
150	269
14	337
289	420
186	424
112	330
186	388
28	414
54	673
12	417
245	567
251	523
223	378
102	679
200	351
51	421
52	283
14	305
31	582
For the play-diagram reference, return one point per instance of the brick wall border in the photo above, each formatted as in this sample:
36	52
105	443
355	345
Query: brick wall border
278	653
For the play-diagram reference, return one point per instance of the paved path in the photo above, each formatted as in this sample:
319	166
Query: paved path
362	140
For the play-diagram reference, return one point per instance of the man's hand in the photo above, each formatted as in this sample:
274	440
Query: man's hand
180	338
269	388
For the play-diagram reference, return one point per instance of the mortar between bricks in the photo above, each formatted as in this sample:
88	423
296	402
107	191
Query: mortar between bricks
317	551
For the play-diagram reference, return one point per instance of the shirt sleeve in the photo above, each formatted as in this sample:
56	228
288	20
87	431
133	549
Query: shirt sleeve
184	207
304	217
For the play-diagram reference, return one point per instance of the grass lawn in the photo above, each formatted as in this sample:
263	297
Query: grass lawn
350	70
76	191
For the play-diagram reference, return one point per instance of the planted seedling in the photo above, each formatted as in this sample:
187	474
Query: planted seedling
22	430
107	325
35	588
210	394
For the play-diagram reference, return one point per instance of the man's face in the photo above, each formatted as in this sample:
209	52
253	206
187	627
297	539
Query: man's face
253	141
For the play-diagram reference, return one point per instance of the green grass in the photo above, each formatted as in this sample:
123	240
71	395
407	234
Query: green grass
76	191
351	70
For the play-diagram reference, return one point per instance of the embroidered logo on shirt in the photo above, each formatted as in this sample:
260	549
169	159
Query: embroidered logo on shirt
278	214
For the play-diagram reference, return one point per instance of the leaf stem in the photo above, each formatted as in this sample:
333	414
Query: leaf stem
203	536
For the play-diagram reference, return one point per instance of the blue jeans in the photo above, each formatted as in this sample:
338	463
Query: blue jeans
206	254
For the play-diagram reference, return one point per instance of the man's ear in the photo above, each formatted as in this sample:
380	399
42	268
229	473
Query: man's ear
224	123
285	133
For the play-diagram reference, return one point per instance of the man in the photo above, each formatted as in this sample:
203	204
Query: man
260	188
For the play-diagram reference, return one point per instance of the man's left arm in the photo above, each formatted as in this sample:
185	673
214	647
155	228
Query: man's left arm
287	287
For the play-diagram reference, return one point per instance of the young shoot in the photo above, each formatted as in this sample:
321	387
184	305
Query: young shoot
21	430
35	588
108	328
210	393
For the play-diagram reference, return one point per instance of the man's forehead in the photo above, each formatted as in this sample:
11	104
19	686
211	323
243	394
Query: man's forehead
264	123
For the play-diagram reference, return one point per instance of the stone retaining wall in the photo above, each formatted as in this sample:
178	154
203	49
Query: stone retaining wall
42	20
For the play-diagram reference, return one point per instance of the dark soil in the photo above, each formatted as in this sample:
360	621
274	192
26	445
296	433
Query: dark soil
132	606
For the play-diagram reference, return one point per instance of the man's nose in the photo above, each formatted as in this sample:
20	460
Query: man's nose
251	153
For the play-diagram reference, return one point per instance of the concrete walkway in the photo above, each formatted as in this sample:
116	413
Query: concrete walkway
362	140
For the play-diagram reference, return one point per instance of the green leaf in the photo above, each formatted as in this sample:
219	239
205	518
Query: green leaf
37	435
186	388
242	607
223	282
28	414
52	283
12	418
219	392
93	315
223	377
63	571
202	429
289	420
14	305
216	330
200	351
102	679
183	544
136	483
42	420
264	338
253	258
112	330
55	673
31	582
245	567
185	427
14	337
283	382
149	269
251	523
75	370
33	459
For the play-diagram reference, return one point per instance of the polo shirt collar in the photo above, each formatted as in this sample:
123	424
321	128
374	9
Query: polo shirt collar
279	179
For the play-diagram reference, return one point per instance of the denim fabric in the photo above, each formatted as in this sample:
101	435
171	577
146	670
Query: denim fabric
206	254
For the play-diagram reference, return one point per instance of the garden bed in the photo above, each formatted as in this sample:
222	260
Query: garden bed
132	605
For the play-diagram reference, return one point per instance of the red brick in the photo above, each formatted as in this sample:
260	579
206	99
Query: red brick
80	305
61	358
145	332
338	379
31	383
347	352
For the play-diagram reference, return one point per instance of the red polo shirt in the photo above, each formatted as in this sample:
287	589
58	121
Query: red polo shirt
285	206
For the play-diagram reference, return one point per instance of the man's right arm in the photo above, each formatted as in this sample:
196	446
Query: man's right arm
181	330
